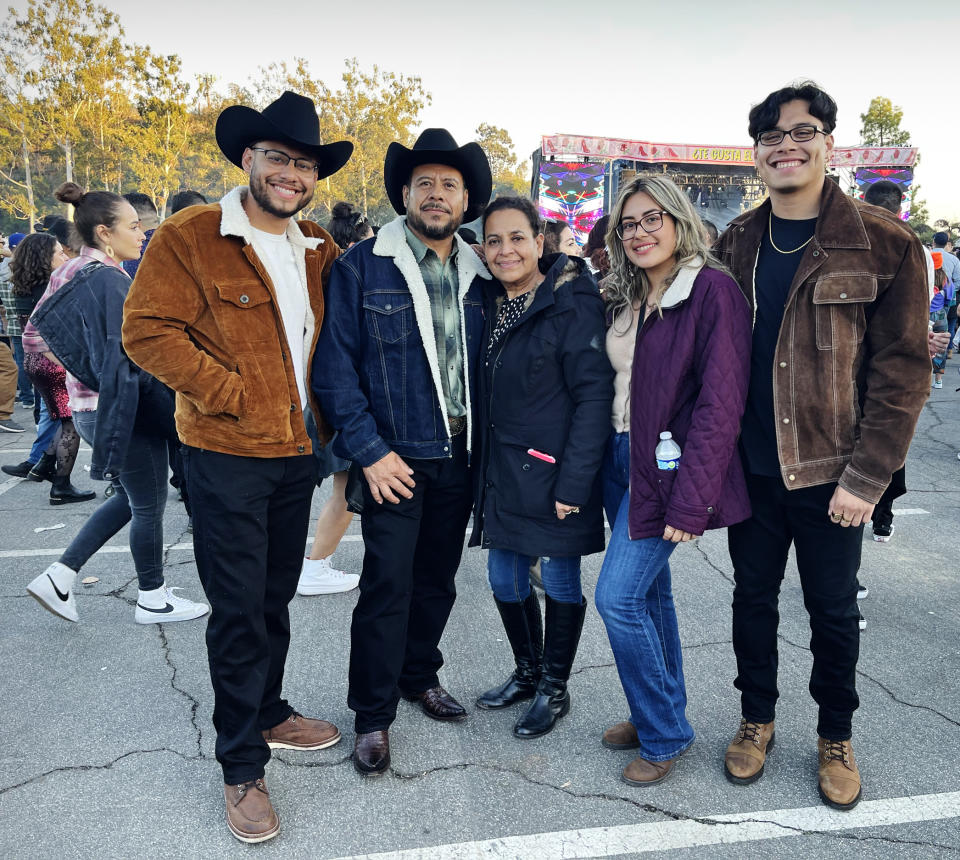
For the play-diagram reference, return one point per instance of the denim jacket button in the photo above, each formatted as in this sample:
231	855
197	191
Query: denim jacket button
388	307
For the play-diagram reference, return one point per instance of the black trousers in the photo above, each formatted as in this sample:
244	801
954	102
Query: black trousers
250	520
828	558
412	552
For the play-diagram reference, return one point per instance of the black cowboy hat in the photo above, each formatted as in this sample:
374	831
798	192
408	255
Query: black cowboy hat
437	146
290	119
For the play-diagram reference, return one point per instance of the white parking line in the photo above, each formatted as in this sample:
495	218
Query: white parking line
671	835
33	553
909	512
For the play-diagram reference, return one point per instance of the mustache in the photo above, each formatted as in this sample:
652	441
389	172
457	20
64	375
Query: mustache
434	207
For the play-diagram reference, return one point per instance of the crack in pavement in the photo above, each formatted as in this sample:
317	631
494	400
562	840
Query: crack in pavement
707	644
503	770
593	666
883	687
193	700
657	810
710	561
80	768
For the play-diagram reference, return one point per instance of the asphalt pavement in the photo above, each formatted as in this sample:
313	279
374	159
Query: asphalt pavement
108	742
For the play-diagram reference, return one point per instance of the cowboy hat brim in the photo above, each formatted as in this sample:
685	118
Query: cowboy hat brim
469	159
239	126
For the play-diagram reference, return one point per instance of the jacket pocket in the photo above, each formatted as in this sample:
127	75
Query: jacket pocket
389	316
245	312
523	484
839	299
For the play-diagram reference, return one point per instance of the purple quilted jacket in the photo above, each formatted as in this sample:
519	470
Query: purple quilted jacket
690	374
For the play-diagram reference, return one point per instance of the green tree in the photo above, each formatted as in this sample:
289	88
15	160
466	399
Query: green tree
881	124
509	174
162	133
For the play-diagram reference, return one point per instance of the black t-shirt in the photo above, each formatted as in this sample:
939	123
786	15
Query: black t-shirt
774	274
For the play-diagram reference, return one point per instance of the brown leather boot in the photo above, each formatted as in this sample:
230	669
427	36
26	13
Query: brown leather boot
838	775
745	757
250	814
298	732
622	736
643	772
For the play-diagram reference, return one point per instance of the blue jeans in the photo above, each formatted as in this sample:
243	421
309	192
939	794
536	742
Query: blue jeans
140	495
635	601
509	575
46	430
24	385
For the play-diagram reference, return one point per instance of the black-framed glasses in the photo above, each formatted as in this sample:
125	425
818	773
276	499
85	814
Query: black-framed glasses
649	223
800	134
280	159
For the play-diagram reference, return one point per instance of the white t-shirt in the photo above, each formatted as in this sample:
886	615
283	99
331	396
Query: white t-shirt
277	255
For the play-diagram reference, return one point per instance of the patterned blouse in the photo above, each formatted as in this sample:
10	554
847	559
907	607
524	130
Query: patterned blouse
508	316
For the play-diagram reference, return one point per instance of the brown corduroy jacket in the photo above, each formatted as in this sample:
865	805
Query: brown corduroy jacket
851	370
202	317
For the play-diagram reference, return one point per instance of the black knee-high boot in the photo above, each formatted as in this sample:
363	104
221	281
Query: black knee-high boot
524	625
552	701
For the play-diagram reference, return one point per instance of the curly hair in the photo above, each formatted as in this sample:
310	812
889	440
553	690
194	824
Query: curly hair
32	263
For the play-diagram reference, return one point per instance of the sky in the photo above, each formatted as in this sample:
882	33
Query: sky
664	72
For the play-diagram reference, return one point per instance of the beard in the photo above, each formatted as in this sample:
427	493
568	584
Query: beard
433	231
260	192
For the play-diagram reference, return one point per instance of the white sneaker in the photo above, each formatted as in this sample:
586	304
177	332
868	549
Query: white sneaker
160	605
938	383
317	577
862	622
53	589
862	592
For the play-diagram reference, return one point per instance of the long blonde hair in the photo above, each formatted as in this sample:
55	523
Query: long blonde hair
627	283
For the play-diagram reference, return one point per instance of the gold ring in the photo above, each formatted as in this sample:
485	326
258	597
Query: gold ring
836	517
843	519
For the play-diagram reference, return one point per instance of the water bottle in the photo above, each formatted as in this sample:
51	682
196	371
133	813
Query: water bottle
668	452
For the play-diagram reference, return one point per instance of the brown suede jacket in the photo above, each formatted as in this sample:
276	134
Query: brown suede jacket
851	370
202	317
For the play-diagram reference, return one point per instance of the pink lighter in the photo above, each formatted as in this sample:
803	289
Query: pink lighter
533	452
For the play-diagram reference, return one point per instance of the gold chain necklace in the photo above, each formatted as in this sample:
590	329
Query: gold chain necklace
779	250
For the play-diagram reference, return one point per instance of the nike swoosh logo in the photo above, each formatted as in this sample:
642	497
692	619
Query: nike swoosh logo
167	608
60	594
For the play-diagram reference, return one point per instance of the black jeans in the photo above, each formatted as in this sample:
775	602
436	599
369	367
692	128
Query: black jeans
250	520
828	558
412	552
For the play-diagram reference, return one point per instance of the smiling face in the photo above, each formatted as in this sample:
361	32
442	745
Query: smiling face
436	199
790	167
279	192
654	252
125	237
511	247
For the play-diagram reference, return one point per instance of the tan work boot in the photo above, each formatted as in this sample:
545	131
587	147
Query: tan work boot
250	814
622	736
745	757
838	775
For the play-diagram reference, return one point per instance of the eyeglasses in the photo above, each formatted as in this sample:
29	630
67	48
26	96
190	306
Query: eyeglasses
800	134
649	223
281	159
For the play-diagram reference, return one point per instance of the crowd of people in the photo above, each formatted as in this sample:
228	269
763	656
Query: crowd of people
766	381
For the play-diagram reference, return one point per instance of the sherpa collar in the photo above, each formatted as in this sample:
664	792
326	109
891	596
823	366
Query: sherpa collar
679	290
391	241
234	222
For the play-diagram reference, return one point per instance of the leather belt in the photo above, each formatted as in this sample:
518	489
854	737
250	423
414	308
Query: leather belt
457	425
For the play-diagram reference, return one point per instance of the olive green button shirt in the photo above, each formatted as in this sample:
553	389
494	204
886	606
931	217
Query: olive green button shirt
443	288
